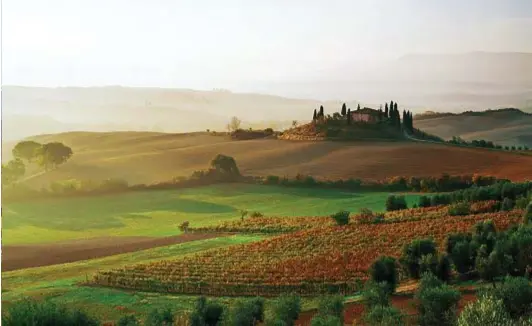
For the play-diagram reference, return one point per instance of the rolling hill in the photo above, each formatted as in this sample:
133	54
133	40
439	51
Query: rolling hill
506	127
146	157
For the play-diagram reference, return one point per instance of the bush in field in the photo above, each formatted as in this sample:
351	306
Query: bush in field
412	254
245	313
521	202
384	316
444	268
491	266
256	214
341	218
366	216
44	314
487	310
225	164
286	310
516	295
128	321
394	203
507	204
424	201
384	269
206	313
459	209
326	321
332	306
376	294
437	302
527	217
158	317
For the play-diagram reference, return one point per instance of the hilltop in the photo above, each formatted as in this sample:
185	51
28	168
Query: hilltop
503	126
147	157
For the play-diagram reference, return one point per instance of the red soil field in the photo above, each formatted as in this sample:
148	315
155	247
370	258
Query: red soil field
19	257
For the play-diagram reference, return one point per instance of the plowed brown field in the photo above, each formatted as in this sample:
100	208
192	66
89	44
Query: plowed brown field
151	157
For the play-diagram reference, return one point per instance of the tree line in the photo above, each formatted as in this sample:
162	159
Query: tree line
485	144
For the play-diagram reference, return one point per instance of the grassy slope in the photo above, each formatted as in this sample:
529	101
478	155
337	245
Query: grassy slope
149	157
59	282
158	213
505	128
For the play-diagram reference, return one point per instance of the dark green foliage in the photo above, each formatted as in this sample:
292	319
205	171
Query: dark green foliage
53	154
321	114
521	202
424	201
130	320
12	171
286	309
491	266
376	294
32	313
326	321
527	217
437	302
486	310
463	256
459	209
332	306
341	218
394	203
516	294
412	254
206	313
485	234
225	164
384	316
444	269
158	317
246	312
344	109
507	204
314	116
384	269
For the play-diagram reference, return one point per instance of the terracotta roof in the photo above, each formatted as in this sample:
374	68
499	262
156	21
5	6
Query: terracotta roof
367	111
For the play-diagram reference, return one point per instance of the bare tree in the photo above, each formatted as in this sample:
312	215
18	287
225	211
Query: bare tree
294	123
234	124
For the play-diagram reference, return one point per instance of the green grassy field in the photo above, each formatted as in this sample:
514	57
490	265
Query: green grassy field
59	282
158	213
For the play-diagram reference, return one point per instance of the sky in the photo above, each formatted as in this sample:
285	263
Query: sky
207	44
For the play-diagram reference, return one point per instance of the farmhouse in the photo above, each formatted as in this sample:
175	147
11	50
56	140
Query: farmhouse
366	115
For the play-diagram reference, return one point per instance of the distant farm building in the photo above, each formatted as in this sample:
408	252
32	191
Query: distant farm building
367	115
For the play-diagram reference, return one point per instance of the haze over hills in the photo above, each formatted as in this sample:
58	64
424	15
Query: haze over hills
504	127
450	82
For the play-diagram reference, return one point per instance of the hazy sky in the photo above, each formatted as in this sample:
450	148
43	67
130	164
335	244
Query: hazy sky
213	43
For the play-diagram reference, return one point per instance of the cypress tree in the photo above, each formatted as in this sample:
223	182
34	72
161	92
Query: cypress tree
349	118
314	116
386	115
391	105
344	109
358	107
395	106
321	115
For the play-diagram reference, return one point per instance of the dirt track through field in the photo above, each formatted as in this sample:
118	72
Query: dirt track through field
26	256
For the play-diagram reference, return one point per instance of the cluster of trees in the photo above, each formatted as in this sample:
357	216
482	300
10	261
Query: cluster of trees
47	156
498	257
514	193
443	183
485	144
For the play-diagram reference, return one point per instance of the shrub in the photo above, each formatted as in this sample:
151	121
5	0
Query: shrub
507	204
459	209
437	305
394	203
332	306
521	202
208	313
128	321
527	217
326	321
341	218
43	314
444	270
491	266
245	313
384	270
376	294
424	201
485	311
516	295
366	216
412	253
158	317
384	316
256	214
286	309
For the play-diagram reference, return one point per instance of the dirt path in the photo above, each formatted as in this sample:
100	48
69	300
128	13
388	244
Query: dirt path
25	256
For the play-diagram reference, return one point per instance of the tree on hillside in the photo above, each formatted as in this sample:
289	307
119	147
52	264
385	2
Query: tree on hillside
294	123
26	150
349	117
321	114
54	154
344	109
225	164
314	116
358	107
395	106
386	115
527	217
234	124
